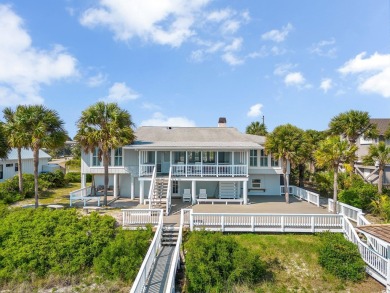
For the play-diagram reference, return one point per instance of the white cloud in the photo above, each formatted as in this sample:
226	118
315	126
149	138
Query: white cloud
283	69
326	84
150	106
294	78
255	110
232	59
96	80
165	22
278	35
24	68
324	48
235	45
373	72
219	15
120	92
158	119
230	26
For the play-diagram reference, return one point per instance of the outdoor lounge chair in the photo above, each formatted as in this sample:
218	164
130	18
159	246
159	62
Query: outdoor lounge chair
187	195
202	194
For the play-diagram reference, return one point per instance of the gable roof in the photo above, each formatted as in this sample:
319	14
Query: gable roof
156	137
382	124
26	154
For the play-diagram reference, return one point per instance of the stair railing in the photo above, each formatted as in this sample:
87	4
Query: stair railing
169	192
151	189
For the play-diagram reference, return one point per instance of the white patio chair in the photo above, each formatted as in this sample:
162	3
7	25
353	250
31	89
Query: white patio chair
202	194
187	195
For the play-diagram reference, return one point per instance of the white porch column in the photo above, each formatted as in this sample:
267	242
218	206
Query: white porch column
193	191
245	192
141	191
132	186
116	178
83	180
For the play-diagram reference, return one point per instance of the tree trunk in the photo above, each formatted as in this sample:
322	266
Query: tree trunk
286	194
380	180
301	168
20	173
105	164
335	186
36	164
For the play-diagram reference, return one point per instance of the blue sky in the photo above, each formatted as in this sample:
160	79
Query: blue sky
186	63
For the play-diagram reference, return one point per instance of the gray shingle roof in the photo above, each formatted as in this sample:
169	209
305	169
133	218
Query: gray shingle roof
382	124
153	137
26	154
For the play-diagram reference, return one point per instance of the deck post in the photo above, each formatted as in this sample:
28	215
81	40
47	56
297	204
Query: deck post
132	186
83	180
191	221
193	191
141	191
116	177
245	191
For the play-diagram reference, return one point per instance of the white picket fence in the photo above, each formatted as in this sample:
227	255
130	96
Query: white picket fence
303	194
154	248
140	217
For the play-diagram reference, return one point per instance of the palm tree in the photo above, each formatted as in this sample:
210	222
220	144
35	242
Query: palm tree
106	127
45	130
380	155
314	137
257	128
285	143
4	147
331	153
17	135
351	125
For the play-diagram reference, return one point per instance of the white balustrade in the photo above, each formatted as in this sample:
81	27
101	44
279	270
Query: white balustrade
146	170
209	170
135	217
303	194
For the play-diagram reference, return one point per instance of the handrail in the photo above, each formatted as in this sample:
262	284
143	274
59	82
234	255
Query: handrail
309	196
140	217
81	192
170	287
152	183
150	257
169	192
349	211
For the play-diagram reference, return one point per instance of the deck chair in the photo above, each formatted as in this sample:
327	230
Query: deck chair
187	195
202	194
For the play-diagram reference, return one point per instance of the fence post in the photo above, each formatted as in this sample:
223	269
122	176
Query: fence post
253	223
312	224
388	270
223	223
282	223
191	221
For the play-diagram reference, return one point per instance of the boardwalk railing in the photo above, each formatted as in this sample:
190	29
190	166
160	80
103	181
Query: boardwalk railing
352	213
209	170
154	248
232	222
83	194
169	192
151	189
175	261
303	194
140	217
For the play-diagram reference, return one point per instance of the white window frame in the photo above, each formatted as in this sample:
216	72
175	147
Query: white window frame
118	157
256	185
253	156
263	157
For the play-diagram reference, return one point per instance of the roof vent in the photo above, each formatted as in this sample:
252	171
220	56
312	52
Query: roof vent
169	127
222	122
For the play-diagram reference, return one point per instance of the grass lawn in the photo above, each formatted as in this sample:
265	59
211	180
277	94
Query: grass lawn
293	266
53	196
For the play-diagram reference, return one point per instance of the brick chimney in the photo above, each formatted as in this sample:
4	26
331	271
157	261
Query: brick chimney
222	122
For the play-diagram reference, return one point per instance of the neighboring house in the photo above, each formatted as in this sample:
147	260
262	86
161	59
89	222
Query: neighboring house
370	173
221	161
9	166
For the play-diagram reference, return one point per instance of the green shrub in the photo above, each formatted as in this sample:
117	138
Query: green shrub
73	177
9	189
122	258
359	195
89	177
380	206
215	262
340	257
54	179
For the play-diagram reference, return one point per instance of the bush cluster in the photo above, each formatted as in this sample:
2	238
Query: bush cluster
9	189
359	195
215	262
340	257
54	179
73	177
42	242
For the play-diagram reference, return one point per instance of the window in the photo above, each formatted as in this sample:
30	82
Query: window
224	157
256	183
16	167
179	157
118	157
175	187
194	157
263	159
209	157
1	171
274	162
95	157
253	158
9	165
150	157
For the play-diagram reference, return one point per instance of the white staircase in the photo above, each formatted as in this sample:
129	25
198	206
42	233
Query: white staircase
159	193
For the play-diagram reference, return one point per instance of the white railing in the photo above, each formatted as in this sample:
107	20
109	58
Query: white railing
232	222
378	245
154	248
349	211
146	170
186	216
81	192
111	170
209	170
137	217
151	189
303	194
175	261
169	192
361	220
